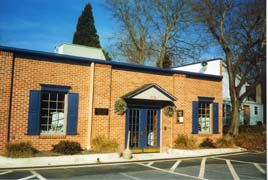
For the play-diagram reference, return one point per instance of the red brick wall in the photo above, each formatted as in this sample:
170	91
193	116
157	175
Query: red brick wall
29	74
122	82
109	85
5	87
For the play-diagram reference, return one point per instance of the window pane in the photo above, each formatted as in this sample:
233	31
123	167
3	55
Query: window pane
52	112
44	96
204	117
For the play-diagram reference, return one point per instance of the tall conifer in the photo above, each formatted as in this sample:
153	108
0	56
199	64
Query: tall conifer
86	33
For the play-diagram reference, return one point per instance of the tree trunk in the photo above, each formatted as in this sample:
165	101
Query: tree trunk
234	95
234	126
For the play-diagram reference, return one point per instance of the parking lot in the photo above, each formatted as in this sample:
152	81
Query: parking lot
238	166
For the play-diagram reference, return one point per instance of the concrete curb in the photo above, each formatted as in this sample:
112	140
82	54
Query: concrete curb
108	158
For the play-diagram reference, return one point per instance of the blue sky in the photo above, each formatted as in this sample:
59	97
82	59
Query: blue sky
44	24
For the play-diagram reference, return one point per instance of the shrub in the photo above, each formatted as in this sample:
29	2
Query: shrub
225	142
252	129
185	142
20	149
251	141
103	144
67	147
207	143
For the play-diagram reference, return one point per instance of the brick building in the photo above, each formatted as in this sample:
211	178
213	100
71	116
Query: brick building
48	97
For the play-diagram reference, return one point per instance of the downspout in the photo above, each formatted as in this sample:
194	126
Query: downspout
10	98
91	88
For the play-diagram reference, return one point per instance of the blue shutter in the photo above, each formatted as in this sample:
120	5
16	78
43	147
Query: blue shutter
34	113
195	117
215	118
72	114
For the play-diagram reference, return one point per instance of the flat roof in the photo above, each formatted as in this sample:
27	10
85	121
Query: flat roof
67	58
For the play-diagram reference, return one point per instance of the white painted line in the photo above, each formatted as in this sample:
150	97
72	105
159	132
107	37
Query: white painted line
175	165
28	177
6	172
128	176
259	168
245	162
38	175
150	163
167	171
232	170
202	168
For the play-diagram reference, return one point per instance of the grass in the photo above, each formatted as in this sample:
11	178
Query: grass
20	149
225	141
102	144
185	142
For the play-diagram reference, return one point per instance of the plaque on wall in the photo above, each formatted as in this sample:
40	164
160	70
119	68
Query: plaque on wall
101	111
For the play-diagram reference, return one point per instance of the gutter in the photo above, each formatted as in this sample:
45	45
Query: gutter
10	98
91	88
65	58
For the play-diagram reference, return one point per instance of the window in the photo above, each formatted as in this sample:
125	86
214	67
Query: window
256	110
204	117
52	112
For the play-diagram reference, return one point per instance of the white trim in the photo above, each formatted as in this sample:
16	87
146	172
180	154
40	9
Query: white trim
91	88
160	141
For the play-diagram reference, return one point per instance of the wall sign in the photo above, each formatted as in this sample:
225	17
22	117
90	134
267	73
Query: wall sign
180	116
101	111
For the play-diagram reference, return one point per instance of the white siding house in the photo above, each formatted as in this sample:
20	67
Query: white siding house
251	111
80	51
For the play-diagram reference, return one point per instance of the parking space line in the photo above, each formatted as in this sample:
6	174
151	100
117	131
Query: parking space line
259	168
232	170
150	163
237	161
202	168
175	165
28	177
167	171
128	176
5	172
38	175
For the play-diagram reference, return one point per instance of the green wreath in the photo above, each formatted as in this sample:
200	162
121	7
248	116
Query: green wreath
120	106
169	110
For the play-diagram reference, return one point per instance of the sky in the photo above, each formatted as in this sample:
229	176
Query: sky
43	24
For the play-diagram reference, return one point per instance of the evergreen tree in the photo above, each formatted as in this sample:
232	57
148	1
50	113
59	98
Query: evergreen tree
86	33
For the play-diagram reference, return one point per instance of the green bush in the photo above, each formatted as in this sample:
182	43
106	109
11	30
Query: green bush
103	144
207	143
251	141
185	142
225	142
67	147
20	149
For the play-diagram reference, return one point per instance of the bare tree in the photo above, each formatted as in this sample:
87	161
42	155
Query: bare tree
239	29
153	28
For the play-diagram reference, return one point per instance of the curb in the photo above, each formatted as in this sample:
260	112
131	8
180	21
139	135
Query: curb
120	161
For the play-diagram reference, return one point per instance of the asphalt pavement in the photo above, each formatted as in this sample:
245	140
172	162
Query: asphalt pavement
238	166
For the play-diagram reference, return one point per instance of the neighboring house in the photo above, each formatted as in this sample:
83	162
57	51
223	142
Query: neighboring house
251	109
49	97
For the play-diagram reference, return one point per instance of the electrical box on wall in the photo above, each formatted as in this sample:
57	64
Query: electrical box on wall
179	116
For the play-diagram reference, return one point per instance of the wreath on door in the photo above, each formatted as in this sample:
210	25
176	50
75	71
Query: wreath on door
169	110
120	106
